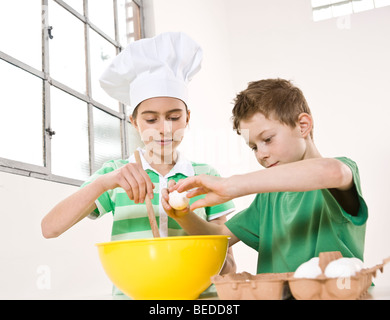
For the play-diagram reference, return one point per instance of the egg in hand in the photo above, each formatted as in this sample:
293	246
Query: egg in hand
178	201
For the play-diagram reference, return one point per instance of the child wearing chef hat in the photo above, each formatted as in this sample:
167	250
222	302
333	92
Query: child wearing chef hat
150	76
305	203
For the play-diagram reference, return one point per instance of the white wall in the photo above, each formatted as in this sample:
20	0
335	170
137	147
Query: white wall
35	268
343	72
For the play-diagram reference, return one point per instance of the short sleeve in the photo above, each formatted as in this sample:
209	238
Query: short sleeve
104	203
245	225
362	215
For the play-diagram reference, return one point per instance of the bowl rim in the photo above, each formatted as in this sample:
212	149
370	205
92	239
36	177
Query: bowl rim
189	237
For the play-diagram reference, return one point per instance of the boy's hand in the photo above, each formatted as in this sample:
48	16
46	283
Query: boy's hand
132	178
165	203
215	188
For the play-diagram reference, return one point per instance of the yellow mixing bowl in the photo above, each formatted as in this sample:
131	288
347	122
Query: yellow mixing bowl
164	268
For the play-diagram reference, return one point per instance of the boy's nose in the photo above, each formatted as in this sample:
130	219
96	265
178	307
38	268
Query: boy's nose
261	155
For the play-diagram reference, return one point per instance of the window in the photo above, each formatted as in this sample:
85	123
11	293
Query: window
326	9
56	123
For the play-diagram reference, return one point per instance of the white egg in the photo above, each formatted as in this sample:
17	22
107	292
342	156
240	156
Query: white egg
178	201
343	267
310	269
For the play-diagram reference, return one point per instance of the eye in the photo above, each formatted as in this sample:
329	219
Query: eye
253	148
150	120
173	118
268	140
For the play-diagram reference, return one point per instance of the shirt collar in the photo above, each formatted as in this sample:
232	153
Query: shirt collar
182	166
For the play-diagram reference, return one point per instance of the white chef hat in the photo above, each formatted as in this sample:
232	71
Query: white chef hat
155	67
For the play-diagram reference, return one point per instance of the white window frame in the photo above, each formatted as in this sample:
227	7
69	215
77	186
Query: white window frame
331	5
45	172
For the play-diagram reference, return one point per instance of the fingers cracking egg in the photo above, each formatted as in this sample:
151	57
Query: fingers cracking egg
178	201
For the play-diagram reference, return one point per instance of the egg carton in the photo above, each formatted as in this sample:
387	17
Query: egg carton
342	288
277	286
245	286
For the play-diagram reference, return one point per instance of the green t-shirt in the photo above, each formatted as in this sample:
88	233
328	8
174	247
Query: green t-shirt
289	228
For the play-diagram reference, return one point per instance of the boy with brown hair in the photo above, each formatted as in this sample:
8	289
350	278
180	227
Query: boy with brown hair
305	203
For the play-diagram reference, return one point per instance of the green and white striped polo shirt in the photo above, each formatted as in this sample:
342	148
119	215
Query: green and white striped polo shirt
131	220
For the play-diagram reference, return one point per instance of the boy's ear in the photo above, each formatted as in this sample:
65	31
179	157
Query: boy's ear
305	122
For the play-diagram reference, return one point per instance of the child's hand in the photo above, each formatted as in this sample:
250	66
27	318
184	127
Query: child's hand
216	189
167	207
132	178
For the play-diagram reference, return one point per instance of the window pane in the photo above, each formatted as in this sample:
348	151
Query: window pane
102	52
107	133
342	9
101	13
362	5
70	148
322	14
67	48
128	22
77	5
21	30
382	3
21	133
